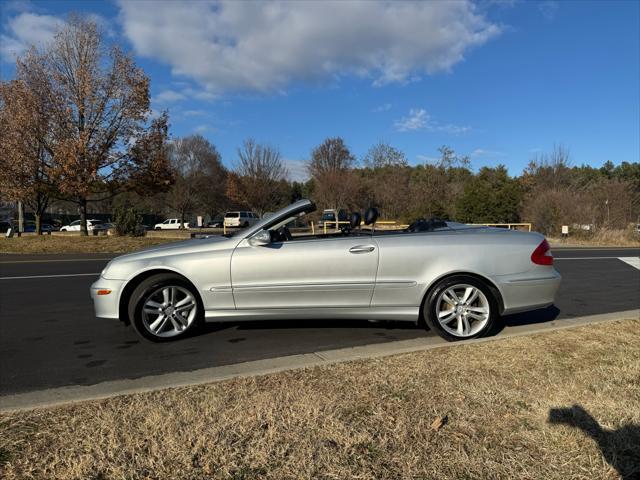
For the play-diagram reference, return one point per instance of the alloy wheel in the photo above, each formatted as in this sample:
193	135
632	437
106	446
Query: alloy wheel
462	310
169	311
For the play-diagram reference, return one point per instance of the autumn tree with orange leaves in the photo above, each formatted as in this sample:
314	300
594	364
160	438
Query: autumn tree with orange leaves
25	164
100	134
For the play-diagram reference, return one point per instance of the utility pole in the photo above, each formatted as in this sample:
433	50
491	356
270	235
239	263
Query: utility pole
20	218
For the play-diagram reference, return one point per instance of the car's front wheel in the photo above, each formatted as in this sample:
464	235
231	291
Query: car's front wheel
460	308
165	307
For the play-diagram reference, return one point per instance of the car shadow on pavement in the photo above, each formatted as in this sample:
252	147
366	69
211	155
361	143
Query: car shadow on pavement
620	447
326	324
542	315
527	318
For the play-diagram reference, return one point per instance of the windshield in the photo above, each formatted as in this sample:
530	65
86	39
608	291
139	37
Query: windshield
232	215
328	216
279	218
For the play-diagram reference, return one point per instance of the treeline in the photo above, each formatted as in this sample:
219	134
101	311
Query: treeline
76	126
549	193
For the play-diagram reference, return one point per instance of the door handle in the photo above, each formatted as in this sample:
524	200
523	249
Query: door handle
362	249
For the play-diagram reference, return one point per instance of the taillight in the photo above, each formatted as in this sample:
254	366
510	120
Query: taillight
542	254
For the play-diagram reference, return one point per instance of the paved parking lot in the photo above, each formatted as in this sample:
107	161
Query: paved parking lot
50	338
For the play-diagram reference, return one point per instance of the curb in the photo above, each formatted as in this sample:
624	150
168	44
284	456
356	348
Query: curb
73	394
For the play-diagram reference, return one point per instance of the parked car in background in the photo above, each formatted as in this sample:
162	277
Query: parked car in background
30	227
171	224
459	278
92	225
216	222
240	219
329	217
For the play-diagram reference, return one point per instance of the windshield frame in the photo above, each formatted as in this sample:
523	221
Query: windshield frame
306	206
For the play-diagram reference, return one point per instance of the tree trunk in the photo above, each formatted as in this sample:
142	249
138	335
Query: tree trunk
40	207
82	206
38	222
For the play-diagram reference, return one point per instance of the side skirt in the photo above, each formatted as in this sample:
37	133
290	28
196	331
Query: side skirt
408	314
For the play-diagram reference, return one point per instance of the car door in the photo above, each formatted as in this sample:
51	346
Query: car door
314	273
74	226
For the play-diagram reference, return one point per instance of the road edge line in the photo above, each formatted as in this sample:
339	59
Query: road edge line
74	394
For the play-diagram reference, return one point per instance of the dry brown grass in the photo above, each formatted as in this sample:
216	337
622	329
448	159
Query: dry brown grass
364	420
77	244
604	238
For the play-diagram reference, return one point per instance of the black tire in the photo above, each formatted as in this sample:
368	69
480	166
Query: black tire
431	307
146	289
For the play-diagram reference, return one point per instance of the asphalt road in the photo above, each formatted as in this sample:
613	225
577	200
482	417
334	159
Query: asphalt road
50	338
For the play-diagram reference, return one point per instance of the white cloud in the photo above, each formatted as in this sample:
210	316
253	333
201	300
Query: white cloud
265	46
169	96
449	128
297	170
482	153
382	108
193	113
24	30
185	93
548	9
419	119
103	23
428	159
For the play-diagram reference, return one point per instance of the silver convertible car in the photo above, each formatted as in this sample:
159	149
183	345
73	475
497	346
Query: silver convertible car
458	278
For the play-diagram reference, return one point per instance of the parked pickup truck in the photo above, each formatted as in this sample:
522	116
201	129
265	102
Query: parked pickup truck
170	224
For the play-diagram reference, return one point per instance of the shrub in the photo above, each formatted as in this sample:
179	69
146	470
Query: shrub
128	221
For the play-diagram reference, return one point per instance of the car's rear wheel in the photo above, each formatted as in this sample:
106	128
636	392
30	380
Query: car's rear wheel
165	307
460	308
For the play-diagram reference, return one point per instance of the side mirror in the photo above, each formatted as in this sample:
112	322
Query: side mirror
263	237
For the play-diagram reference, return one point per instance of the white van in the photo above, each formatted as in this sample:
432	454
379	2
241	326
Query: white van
240	219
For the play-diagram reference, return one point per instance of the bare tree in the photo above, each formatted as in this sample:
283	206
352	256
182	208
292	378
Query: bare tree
199	177
384	155
259	181
98	101
331	167
550	170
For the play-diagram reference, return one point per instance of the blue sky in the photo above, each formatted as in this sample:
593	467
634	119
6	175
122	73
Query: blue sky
496	80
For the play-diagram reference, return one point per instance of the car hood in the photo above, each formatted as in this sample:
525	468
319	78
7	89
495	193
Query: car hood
120	267
185	246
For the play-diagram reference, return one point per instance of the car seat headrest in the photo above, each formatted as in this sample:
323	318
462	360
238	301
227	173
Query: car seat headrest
371	216
355	219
